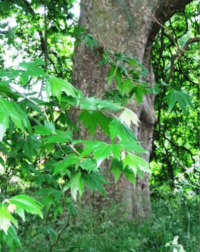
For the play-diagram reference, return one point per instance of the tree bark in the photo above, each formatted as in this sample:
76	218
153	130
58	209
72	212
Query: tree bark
130	27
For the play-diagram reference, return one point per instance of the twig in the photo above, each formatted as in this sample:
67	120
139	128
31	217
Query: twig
161	25
73	148
179	54
176	145
44	49
31	100
58	237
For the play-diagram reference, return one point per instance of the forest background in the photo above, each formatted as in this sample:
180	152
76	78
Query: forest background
49	159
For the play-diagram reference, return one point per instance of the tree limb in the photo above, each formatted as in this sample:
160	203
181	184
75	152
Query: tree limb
179	54
176	145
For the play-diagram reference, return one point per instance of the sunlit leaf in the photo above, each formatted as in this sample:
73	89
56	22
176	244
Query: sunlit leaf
76	185
27	203
128	117
58	86
6	219
4	122
136	163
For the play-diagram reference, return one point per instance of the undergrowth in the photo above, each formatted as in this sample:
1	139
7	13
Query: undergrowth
173	226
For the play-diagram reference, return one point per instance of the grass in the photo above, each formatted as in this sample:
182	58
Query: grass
105	231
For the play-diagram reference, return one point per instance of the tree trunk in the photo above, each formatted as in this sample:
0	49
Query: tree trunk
130	27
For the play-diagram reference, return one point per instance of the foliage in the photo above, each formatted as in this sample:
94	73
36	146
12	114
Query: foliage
175	58
48	151
43	117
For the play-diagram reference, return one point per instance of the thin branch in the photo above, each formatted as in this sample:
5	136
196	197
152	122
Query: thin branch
31	100
45	39
54	66
176	145
73	148
44	48
185	47
58	237
179	54
161	25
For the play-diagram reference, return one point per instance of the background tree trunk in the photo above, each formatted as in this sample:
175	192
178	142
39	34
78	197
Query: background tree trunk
127	26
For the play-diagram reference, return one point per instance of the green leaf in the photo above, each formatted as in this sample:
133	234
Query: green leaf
116	169
128	116
71	159
48	129
133	62
136	163
12	240
116	150
17	115
180	97
92	103
27	203
95	181
89	164
6	90
42	130
20	213
100	150
118	79
132	146
130	176
127	86
76	185
6	219
91	41
24	117
120	130
4	123
32	69
30	147
139	91
24	77
9	73
91	119
9	108
60	137
58	86
111	74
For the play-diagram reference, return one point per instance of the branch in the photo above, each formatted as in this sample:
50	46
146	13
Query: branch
44	47
165	10
176	145
59	235
179	54
162	26
31	100
72	147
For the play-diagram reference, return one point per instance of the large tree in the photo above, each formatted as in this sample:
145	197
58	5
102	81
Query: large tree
129	27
